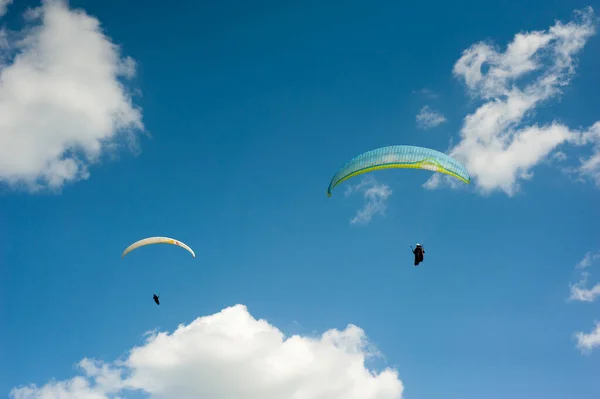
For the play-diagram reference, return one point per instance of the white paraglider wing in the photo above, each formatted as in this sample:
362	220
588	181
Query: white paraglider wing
157	240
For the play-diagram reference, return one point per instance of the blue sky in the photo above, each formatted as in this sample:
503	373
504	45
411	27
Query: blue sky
222	124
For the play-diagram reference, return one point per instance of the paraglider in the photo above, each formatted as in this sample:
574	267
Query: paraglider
400	156
419	251
157	240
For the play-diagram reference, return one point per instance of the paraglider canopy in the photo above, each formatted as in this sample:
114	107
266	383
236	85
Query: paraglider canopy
400	156
157	240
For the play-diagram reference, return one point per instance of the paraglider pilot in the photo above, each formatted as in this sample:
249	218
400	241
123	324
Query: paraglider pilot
418	251
155	297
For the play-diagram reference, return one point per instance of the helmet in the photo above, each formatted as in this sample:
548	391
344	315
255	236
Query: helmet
418	245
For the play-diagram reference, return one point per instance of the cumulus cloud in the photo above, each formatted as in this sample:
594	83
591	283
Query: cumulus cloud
560	156
590	167
427	93
376	197
587	342
428	118
4	6
579	292
232	355
63	102
497	145
588	259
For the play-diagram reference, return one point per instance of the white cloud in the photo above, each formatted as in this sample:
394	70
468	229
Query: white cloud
231	355
427	93
62	100
4	6
497	146
579	292
560	156
586	342
428	118
588	259
376	196
590	167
